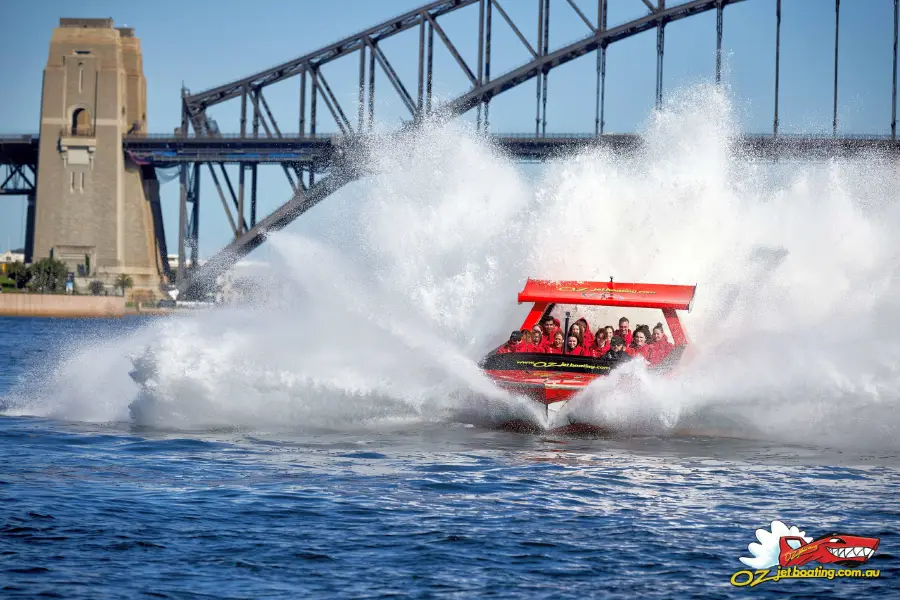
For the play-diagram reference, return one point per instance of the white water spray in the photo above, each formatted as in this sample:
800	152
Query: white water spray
384	313
766	552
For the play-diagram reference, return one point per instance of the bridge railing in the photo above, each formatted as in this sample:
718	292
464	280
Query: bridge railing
286	137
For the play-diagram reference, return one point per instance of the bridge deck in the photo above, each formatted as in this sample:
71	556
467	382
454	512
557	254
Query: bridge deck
167	151
19	149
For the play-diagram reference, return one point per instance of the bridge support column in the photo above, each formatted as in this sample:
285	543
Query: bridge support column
777	63
601	70
719	8
660	50
29	228
487	63
91	198
894	86
837	23
194	198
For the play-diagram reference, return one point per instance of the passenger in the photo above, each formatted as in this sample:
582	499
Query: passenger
601	343
624	332
610	332
526	344
574	348
537	338
515	338
557	346
586	335
639	345
616	353
575	331
660	347
549	326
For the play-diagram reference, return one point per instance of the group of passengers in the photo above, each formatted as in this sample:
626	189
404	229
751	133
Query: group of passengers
606	343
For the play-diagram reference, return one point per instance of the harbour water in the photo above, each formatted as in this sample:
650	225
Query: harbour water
333	436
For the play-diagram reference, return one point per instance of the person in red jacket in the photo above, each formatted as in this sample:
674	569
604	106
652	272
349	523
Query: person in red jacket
549	326
610	334
601	342
624	332
557	346
575	348
526	345
576	332
515	339
587	338
639	345
660	347
537	338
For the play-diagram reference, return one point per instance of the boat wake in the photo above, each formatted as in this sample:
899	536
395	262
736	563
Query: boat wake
387	295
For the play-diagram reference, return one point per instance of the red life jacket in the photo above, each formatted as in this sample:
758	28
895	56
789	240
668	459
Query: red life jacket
643	351
598	352
627	337
526	347
659	351
552	350
547	340
579	351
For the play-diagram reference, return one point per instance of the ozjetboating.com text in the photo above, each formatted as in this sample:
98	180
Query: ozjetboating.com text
754	578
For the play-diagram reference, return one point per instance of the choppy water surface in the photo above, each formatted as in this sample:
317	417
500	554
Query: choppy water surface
333	436
427	510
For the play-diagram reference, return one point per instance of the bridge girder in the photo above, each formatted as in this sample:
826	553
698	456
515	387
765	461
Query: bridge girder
483	88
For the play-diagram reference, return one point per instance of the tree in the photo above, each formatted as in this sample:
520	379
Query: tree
49	275
87	266
96	287
124	282
20	274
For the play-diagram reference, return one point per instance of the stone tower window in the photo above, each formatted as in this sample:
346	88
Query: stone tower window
81	122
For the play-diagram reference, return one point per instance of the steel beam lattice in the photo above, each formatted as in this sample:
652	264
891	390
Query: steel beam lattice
315	166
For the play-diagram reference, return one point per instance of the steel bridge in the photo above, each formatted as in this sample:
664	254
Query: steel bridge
316	163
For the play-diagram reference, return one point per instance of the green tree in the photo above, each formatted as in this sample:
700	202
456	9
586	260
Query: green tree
20	274
96	287
49	275
123	282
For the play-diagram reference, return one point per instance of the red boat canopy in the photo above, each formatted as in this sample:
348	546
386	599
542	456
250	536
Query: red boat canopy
599	293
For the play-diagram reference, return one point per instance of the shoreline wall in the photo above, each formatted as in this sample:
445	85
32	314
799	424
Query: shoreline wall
58	305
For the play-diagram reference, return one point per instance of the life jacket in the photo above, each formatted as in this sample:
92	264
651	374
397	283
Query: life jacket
627	337
599	352
643	351
547	340
526	347
579	351
659	351
552	350
507	348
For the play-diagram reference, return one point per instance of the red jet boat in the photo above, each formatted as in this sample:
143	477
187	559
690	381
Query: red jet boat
553	379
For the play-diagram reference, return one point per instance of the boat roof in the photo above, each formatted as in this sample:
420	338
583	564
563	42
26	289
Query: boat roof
608	293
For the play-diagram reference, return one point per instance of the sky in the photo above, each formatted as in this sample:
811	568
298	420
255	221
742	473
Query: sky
205	44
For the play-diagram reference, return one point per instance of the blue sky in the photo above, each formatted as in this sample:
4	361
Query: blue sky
204	44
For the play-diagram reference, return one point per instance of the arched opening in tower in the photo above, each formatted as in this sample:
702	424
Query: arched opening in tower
81	122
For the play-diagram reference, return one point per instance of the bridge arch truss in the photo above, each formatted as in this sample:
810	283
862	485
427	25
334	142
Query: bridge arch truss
313	180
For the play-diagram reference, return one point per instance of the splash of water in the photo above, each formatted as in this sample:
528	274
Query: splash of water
383	314
766	552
